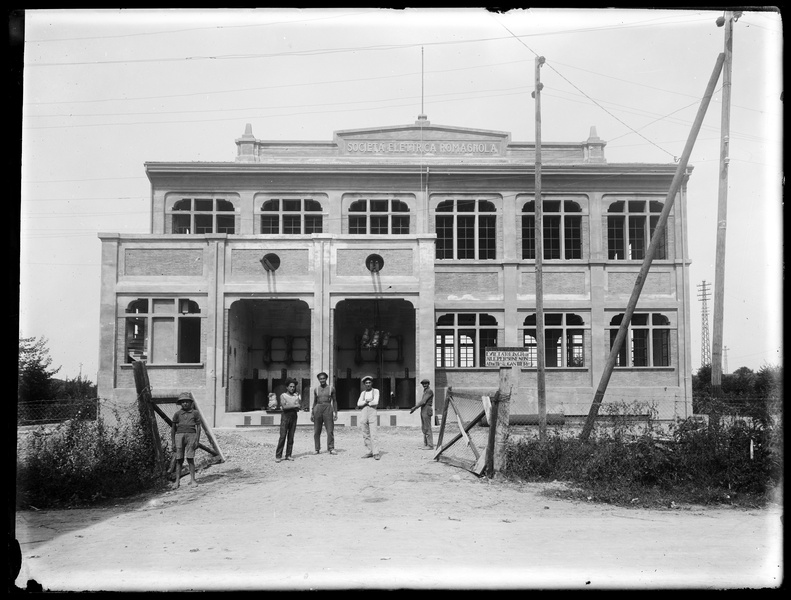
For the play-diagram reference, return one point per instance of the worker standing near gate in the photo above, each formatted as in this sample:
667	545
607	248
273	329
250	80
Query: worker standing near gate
324	412
426	413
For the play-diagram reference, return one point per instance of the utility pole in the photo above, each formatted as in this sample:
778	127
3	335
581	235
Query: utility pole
705	347
722	205
539	241
659	232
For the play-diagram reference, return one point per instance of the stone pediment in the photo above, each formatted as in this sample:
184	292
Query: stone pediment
422	138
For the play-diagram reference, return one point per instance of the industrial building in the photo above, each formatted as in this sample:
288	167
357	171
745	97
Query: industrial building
402	252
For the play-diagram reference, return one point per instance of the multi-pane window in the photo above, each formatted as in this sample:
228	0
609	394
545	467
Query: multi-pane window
564	340
163	331
562	230
647	342
378	216
294	216
461	339
203	215
630	226
466	228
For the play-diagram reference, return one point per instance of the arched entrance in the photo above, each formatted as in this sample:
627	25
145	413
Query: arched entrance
268	342
375	337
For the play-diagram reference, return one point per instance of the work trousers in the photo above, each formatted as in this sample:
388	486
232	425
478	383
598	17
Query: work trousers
323	415
368	424
288	425
426	415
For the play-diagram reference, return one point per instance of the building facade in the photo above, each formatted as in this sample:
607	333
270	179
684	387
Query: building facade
401	252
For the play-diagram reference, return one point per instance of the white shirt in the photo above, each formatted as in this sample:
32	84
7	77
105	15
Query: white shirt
371	396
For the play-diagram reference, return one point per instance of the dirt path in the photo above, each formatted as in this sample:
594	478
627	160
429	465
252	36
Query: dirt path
406	521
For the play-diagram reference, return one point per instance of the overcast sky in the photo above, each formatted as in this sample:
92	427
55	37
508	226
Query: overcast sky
107	90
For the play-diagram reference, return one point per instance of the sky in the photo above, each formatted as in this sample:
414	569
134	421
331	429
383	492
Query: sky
105	91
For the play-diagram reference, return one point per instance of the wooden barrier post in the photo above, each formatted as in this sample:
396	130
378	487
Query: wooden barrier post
502	412
491	421
146	408
208	430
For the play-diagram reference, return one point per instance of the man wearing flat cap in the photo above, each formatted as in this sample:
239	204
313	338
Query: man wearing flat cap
426	413
324	412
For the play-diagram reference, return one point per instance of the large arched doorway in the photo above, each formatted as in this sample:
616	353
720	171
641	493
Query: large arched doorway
268	342
375	337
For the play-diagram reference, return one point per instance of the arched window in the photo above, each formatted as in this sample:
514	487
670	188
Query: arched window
294	216
461	339
564	340
647	342
466	229
630	226
203	215
163	331
562	230
378	216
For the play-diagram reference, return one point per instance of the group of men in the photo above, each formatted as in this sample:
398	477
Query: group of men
186	423
325	412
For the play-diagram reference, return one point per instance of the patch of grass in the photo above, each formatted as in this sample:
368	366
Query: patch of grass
738	464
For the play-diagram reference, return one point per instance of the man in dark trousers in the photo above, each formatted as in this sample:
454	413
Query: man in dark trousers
324	412
426	414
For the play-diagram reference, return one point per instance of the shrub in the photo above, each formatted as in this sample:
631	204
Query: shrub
84	461
696	463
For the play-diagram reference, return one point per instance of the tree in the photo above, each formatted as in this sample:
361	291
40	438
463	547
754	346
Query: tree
34	378
77	388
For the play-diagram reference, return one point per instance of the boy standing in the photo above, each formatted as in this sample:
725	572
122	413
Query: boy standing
185	435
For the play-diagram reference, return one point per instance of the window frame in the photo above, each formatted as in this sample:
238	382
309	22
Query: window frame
647	340
566	219
448	342
148	315
567	348
194	214
301	215
481	226
364	219
633	224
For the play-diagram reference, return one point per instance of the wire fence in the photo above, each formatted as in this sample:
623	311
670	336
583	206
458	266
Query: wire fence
45	412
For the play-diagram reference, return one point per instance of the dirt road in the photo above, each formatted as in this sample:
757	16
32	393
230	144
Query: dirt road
406	521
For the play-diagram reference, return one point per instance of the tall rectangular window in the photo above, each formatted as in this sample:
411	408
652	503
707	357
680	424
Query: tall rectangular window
461	339
562	230
466	230
630	227
647	342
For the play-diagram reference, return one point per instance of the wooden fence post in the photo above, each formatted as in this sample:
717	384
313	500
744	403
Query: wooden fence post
502	412
146	408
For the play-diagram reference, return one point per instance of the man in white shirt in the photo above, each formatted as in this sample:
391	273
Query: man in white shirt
368	402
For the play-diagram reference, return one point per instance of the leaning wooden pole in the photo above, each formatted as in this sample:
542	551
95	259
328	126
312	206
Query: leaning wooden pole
659	232
146	408
539	243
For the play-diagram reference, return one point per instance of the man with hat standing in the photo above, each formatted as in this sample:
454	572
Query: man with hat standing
185	435
426	413
325	411
367	402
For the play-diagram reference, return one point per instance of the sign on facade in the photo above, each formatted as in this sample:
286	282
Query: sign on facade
510	357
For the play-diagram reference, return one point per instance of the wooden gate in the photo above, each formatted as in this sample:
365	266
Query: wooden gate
465	424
